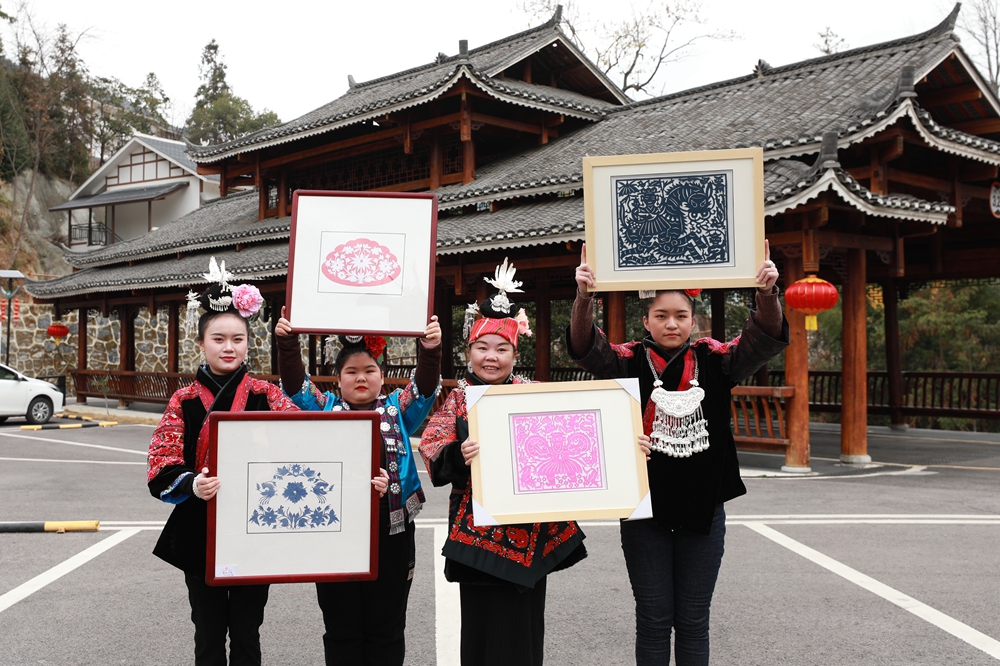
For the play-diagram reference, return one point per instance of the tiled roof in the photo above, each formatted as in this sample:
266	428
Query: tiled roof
785	110
217	223
258	261
421	84
121	196
546	221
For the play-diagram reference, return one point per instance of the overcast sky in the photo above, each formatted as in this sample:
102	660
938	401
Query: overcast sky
292	56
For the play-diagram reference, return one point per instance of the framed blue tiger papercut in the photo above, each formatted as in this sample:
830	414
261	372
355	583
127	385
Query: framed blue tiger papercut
681	219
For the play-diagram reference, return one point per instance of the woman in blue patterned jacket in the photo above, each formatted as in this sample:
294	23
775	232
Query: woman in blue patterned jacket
365	621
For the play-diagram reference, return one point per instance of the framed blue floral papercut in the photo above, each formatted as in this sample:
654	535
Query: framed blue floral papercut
675	220
295	501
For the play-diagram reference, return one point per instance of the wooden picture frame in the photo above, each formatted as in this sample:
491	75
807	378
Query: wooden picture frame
361	262
675	220
295	502
557	451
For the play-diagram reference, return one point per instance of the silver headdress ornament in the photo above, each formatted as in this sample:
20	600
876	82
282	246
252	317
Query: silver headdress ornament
220	304
470	318
647	293
503	280
218	273
679	425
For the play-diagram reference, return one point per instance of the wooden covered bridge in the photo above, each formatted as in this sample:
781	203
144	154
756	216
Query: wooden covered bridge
879	163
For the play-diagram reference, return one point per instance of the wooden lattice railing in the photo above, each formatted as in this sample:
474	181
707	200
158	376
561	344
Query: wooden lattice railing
759	417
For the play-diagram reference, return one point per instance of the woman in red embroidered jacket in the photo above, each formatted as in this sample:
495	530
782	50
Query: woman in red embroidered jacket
673	559
501	570
178	472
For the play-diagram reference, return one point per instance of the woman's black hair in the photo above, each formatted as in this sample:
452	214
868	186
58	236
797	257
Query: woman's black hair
214	293
647	303
207	317
349	349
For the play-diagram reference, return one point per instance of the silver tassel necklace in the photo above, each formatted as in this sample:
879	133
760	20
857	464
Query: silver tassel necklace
679	426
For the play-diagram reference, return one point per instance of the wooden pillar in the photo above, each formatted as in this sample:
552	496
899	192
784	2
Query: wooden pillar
90	225
275	305
718	297
893	360
69	227
173	337
81	350
312	355
854	385
442	308
436	162
615	308
282	194
112	241
468	162
223	185
126	343
797	375
543	331
149	216
261	198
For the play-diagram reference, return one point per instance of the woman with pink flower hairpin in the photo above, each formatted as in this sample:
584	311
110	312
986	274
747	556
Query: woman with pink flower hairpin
673	559
178	470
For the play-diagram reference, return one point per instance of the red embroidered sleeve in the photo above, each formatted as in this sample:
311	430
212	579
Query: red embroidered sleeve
276	398
167	444
440	430
716	347
626	350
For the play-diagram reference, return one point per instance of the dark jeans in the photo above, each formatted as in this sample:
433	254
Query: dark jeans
673	578
503	626
237	610
366	620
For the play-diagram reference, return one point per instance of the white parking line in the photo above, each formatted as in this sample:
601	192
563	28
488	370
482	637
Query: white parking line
88	462
69	443
447	607
958	629
41	580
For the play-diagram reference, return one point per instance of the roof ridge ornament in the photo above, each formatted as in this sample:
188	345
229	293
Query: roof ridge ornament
351	83
463	49
762	68
905	87
828	152
557	16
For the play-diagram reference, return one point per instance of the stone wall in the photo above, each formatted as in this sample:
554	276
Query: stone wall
36	354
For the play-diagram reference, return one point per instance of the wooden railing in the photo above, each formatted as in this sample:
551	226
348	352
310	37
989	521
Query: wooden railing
759	417
957	394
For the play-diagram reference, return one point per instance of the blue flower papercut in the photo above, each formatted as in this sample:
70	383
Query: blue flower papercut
300	486
294	492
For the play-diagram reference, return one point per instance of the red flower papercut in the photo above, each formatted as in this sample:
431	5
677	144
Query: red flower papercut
361	263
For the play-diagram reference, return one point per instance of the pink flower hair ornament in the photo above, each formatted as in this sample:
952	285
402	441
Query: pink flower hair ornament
523	328
247	300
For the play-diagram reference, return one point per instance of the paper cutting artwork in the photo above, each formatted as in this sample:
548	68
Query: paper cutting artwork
361	264
675	221
556	451
294	497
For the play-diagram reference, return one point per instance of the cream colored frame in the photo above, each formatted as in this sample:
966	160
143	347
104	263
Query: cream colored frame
748	206
627	494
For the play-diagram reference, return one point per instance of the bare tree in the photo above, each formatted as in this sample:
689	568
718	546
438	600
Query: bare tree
47	106
984	28
633	51
830	42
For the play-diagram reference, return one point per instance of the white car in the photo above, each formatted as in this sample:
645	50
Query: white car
33	399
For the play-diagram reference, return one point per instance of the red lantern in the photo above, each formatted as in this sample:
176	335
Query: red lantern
58	331
811	295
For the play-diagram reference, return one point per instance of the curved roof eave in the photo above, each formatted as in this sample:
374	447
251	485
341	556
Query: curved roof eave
437	90
869	204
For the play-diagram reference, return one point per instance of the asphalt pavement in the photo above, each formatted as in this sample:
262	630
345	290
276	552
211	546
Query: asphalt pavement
892	563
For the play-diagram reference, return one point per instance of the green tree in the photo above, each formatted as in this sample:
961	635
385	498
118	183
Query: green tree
119	111
219	115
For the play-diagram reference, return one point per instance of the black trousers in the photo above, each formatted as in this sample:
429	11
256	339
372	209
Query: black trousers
366	621
237	610
502	626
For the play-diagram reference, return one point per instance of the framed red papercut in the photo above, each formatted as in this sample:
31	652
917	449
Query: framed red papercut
361	262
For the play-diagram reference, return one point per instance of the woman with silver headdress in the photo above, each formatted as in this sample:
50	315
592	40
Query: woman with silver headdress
178	470
673	559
